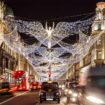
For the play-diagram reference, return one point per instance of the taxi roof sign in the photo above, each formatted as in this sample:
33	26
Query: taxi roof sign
50	81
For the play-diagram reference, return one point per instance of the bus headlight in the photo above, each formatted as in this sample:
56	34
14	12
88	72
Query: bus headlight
95	100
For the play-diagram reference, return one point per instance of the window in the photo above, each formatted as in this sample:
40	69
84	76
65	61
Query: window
99	55
99	42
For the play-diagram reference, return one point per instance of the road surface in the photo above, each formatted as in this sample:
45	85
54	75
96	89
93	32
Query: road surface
26	98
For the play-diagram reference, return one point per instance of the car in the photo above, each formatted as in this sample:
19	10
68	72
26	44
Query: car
92	90
73	95
71	92
49	91
4	88
35	86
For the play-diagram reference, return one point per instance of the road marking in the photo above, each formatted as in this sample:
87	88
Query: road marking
11	98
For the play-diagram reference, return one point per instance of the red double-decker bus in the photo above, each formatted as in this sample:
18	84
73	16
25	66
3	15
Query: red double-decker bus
33	84
20	79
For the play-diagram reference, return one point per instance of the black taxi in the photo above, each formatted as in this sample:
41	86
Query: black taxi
49	91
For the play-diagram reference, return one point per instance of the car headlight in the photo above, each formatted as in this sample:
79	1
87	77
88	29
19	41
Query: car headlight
75	94
95	100
63	86
57	93
60	86
66	90
73	99
70	92
41	93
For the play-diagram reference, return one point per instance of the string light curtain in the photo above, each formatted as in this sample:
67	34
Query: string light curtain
39	56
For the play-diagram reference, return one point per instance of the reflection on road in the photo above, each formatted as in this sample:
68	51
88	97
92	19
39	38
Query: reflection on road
27	98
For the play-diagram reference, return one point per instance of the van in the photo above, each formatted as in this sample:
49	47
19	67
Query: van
93	91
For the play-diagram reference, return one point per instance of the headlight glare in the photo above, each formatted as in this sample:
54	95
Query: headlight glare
60	86
75	94
63	86
66	90
41	93
57	93
70	92
95	100
73	99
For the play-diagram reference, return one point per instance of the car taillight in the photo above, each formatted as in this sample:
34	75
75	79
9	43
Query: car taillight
23	87
39	86
31	86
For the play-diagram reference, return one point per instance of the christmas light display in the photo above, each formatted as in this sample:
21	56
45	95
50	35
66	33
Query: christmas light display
43	58
45	55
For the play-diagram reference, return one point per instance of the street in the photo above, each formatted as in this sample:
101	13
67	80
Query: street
26	98
20	98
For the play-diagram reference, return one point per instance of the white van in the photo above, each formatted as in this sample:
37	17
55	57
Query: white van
93	92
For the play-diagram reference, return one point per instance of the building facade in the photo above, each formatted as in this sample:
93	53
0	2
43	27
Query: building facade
11	61
96	54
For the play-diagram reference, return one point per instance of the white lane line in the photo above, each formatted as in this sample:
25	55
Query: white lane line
11	98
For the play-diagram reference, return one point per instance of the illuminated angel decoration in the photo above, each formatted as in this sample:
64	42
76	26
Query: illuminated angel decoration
49	30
